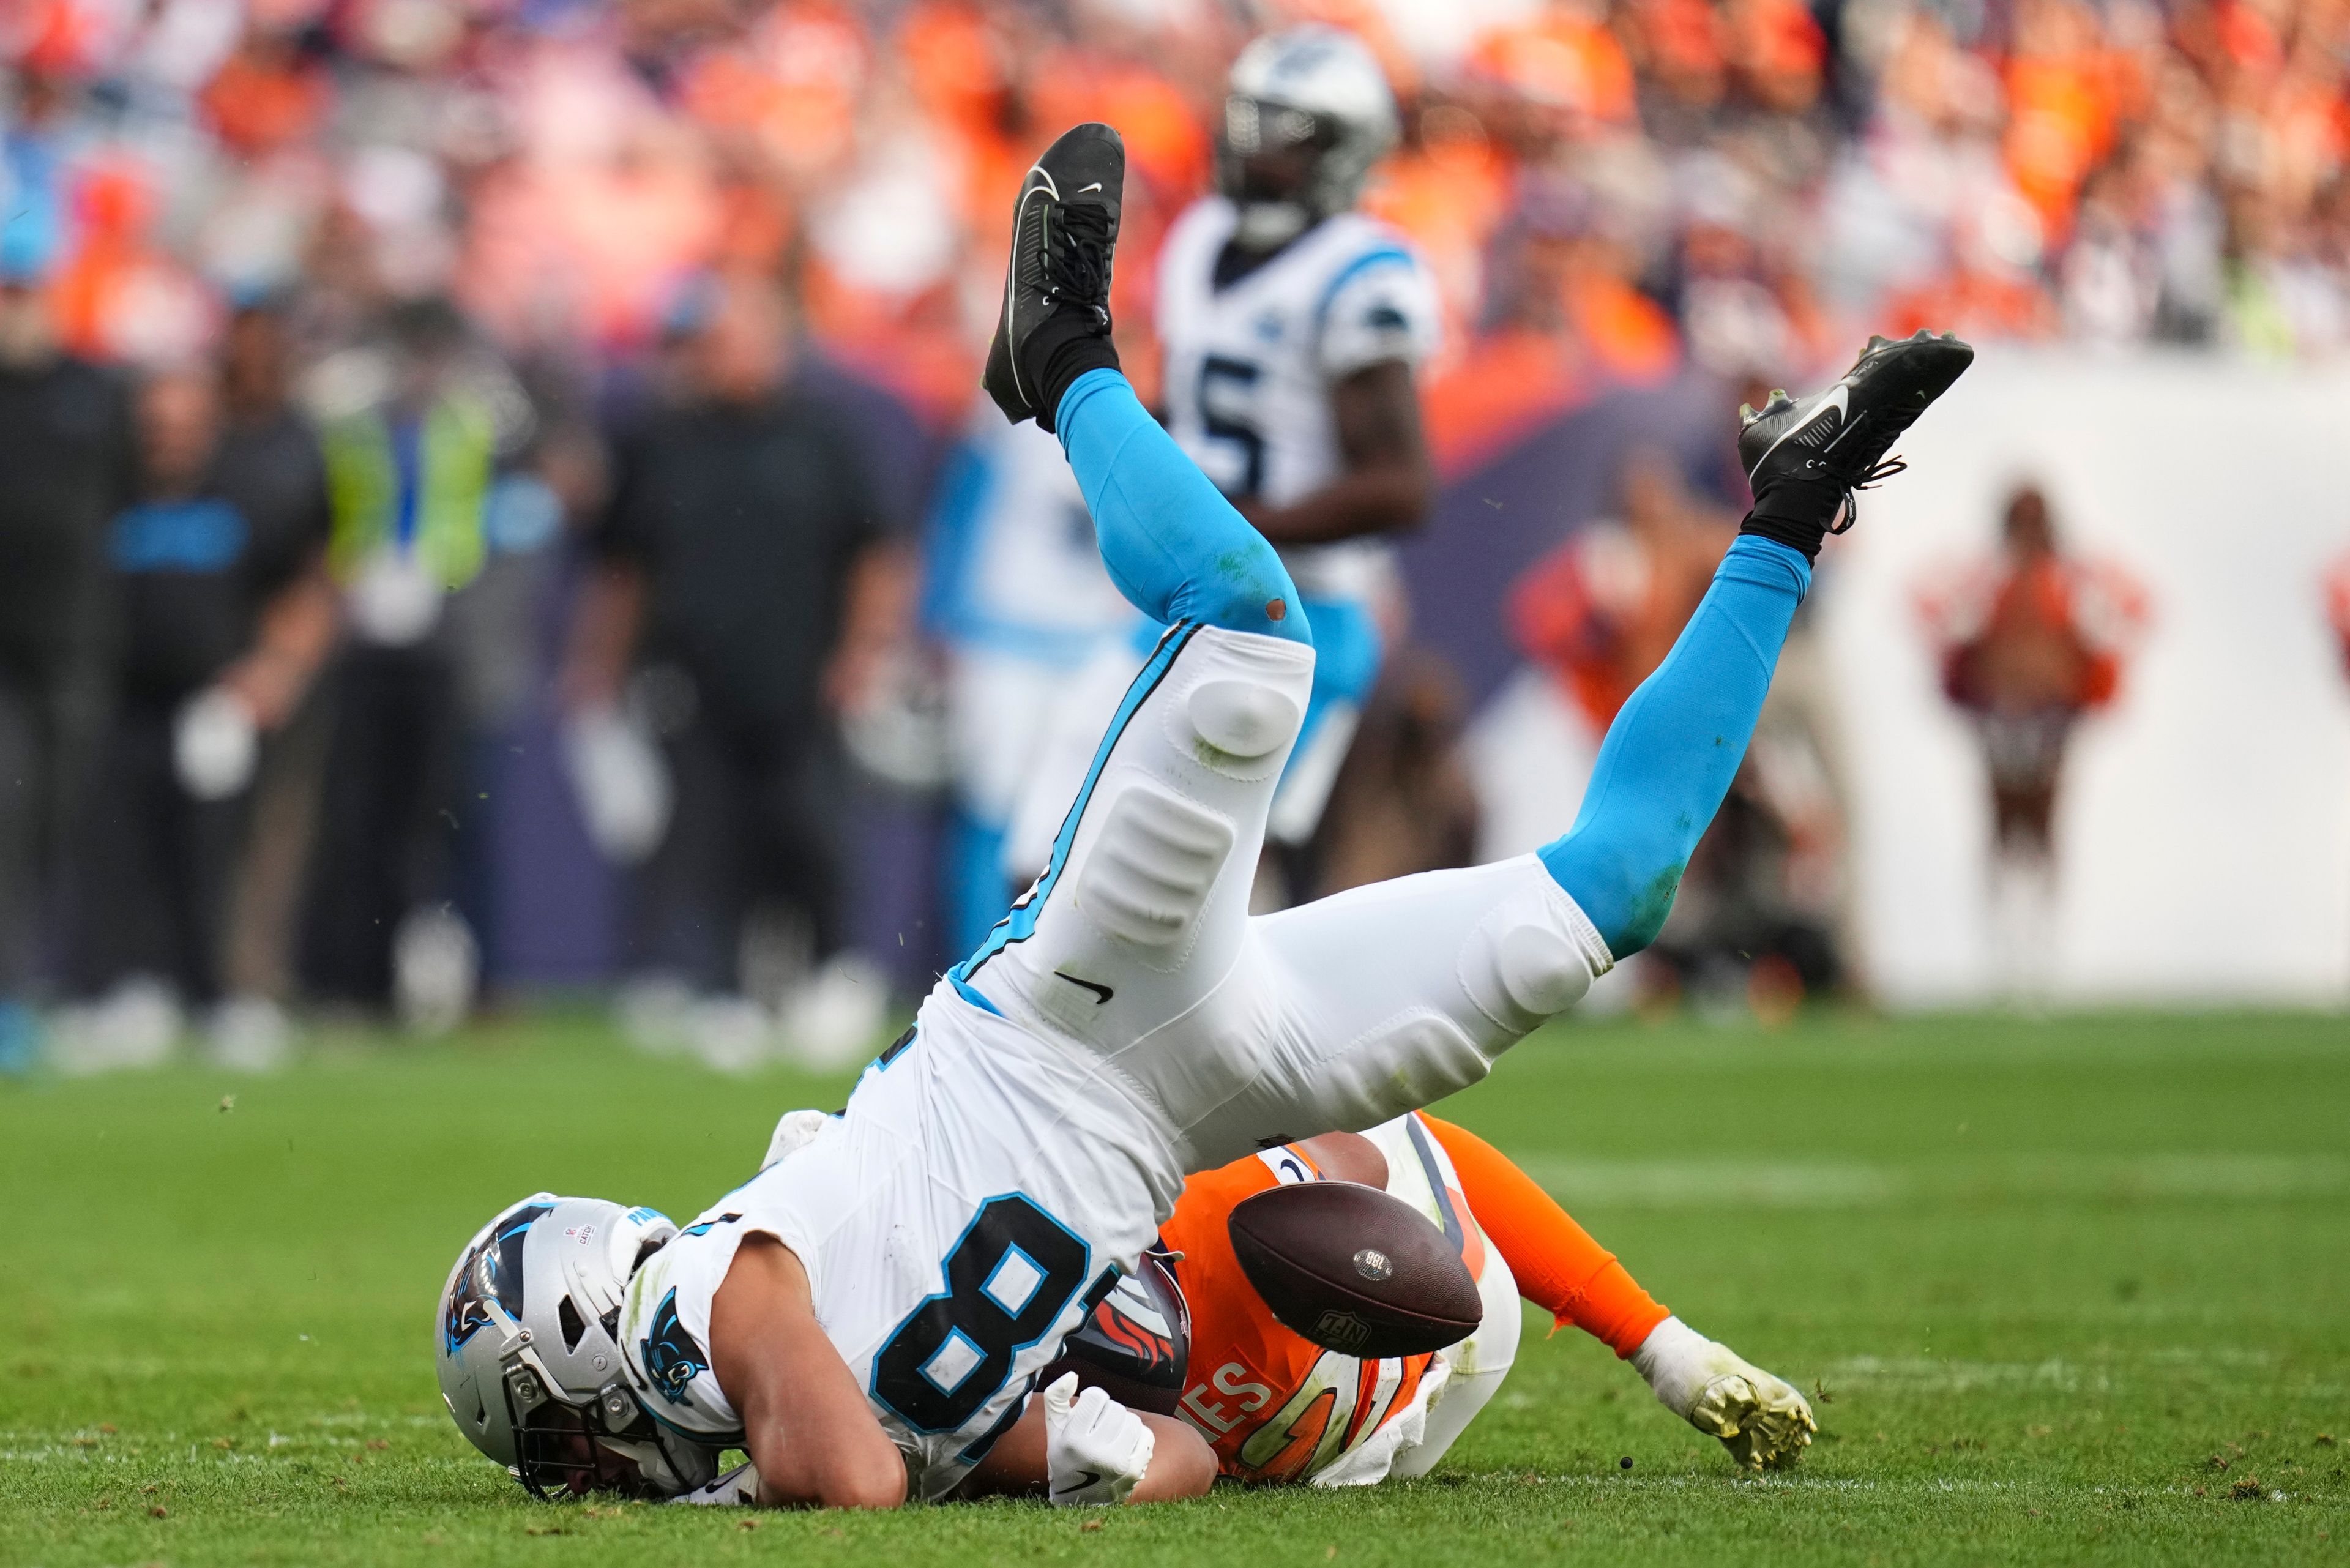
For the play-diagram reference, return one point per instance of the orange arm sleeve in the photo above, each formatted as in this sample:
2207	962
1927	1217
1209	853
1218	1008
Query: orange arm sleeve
1559	1266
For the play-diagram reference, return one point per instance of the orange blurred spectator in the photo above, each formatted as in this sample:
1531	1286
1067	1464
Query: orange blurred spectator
2030	642
2060	106
267	95
1564	62
1781	54
119	296
1448	187
1681	48
795	85
1565	316
1602	610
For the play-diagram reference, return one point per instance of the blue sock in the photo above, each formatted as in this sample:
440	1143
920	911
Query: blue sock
1674	747
1173	545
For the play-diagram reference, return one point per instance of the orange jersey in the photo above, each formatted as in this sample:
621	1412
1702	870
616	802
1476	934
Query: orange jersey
1274	1406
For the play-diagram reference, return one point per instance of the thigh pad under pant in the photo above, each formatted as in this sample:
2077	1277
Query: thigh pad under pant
1142	909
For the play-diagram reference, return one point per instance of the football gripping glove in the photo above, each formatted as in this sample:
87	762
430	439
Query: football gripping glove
1762	1419
795	1132
738	1488
1096	1449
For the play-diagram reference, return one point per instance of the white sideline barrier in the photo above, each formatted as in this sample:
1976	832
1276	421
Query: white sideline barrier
2204	833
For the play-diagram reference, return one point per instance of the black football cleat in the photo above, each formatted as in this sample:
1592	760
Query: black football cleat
1063	235
1815	453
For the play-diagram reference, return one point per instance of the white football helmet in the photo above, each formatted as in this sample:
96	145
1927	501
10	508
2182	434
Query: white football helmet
1317	88
529	1357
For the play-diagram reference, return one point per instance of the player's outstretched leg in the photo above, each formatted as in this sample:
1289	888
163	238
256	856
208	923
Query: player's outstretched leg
1389	997
1173	545
1673	749
1159	848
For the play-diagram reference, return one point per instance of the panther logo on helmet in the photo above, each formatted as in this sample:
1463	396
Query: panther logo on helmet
493	1271
671	1356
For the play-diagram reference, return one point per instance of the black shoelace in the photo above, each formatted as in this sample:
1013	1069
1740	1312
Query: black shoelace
1853	478
1077	254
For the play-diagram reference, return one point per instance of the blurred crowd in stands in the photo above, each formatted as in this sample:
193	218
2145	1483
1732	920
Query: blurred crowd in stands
1740	182
378	377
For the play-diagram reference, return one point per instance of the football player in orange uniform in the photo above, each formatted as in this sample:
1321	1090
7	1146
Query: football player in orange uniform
1277	1407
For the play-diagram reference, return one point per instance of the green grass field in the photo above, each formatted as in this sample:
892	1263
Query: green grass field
2068	1291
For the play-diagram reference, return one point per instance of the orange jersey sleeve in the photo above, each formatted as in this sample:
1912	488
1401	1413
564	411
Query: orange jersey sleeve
1559	1266
1274	1406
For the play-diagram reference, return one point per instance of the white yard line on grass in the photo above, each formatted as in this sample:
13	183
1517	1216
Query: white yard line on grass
1854	1184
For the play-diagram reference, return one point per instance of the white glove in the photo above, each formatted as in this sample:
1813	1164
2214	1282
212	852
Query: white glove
215	744
1763	1420
621	781
795	1131
738	1488
1094	1447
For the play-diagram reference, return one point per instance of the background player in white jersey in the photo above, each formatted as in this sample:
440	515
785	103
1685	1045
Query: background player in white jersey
867	1317
1292	325
1016	593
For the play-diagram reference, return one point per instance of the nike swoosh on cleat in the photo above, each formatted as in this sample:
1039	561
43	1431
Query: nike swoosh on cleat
1101	992
1090	189
1011	282
1838	396
1092	1478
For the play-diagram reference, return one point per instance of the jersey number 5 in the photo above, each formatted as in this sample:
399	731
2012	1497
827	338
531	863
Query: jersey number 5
1227	392
1007	1280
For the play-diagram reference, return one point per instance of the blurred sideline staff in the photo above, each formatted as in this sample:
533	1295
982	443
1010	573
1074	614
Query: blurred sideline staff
65	447
224	615
744	593
417	431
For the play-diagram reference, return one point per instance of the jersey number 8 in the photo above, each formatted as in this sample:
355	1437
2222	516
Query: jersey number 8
1007	1282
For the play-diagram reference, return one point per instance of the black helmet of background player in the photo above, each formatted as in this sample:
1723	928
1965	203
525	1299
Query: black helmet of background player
1309	112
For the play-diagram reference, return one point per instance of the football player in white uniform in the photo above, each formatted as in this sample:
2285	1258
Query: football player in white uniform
867	1317
1291	326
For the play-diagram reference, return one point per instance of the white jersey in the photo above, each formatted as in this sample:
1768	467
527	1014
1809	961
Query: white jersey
1017	594
960	1218
1249	367
1013	564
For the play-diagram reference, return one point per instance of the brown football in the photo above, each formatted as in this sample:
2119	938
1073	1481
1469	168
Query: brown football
1353	1270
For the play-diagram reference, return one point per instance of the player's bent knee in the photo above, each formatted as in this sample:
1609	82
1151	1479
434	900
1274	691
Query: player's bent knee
1242	723
1521	966
1247	589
